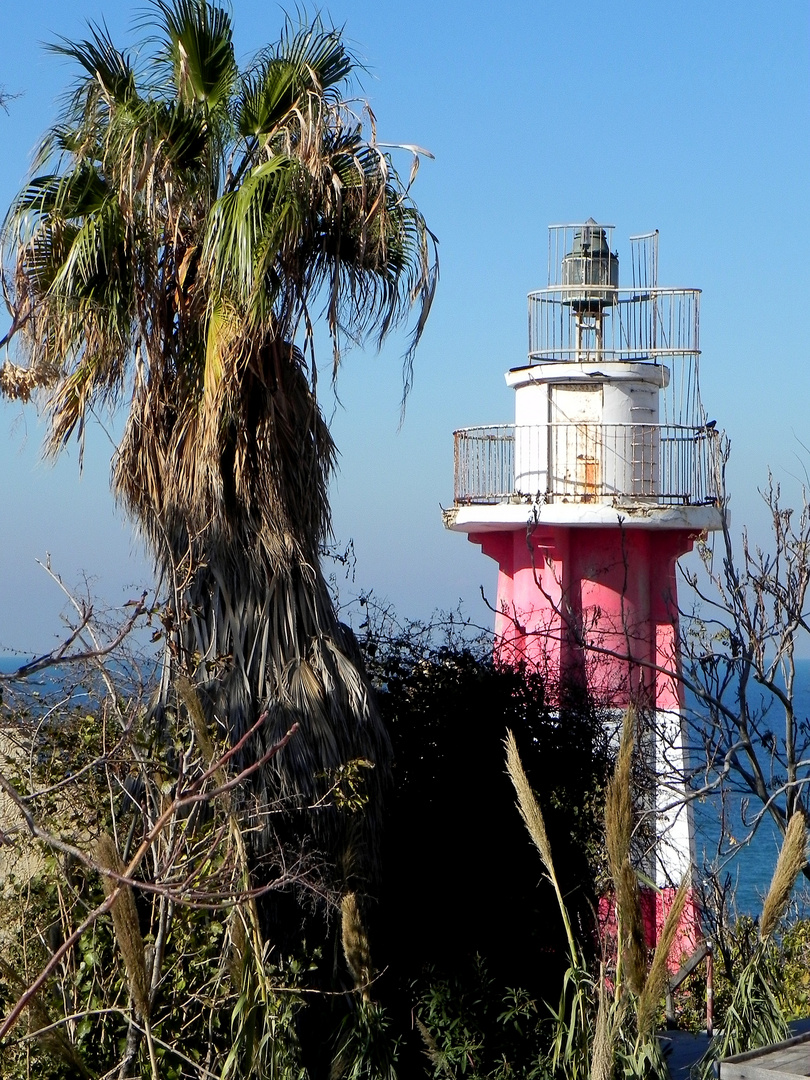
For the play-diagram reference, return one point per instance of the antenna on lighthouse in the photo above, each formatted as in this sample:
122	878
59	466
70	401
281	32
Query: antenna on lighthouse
590	279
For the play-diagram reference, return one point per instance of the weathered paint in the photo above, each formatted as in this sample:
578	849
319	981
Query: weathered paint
517	516
597	603
578	399
598	608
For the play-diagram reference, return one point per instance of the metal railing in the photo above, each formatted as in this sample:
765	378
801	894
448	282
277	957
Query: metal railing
663	464
484	467
654	324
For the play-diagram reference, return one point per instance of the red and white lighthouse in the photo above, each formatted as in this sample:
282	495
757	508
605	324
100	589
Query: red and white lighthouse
588	500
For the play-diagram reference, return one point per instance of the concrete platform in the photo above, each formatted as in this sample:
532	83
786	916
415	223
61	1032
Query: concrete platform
684	1049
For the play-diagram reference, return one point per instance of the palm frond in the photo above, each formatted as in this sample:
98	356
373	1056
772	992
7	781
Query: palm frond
318	50
247	227
266	96
100	58
315	51
199	48
93	258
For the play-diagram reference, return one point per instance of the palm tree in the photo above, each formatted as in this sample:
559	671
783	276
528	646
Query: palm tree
185	225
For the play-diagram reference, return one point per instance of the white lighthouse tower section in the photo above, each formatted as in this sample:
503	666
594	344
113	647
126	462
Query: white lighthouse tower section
675	832
587	433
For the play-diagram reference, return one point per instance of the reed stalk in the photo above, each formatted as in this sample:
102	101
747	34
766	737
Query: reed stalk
656	982
619	815
789	865
355	943
535	823
609	1015
125	924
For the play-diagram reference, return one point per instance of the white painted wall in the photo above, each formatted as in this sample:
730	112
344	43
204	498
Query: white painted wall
614	447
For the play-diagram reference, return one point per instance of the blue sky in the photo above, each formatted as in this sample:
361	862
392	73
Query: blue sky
689	118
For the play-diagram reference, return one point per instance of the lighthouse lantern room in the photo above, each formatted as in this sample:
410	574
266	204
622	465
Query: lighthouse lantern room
604	480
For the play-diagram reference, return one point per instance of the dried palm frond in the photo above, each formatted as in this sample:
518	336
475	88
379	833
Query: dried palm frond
19	383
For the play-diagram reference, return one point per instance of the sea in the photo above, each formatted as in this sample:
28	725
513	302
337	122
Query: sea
744	862
748	861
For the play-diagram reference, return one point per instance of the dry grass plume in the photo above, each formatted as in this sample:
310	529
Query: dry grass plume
432	1051
619	800
656	983
125	924
533	819
790	864
618	835
527	804
355	943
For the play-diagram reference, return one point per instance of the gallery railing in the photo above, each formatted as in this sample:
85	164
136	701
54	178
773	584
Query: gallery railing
661	464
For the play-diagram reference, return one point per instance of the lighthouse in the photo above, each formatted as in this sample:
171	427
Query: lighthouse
586	502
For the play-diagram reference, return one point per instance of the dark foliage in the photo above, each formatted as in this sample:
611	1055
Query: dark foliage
459	879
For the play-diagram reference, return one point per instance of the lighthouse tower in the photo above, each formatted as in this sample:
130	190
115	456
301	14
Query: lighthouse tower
588	500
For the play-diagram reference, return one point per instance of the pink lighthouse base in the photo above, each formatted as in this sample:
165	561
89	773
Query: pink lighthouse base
592	608
596	610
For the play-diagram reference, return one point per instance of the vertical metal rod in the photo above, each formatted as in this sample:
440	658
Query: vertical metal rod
709	989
